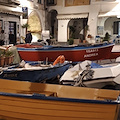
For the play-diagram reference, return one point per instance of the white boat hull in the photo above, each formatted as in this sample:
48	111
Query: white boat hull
102	76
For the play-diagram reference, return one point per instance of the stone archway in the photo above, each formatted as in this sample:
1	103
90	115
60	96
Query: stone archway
109	25
35	27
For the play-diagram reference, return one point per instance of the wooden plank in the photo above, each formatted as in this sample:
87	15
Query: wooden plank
67	114
9	118
36	101
54	106
81	113
30	117
60	90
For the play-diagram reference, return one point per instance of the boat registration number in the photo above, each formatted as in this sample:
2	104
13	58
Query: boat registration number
91	53
91	50
9	75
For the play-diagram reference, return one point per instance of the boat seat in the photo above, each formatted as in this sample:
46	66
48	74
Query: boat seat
96	94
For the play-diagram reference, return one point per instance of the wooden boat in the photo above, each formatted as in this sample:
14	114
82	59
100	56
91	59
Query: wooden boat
71	53
20	100
34	71
95	75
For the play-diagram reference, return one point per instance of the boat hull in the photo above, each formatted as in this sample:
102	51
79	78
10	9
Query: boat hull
97	83
115	52
20	100
75	54
27	107
98	76
35	75
114	55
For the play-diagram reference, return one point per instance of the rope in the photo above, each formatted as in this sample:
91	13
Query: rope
86	73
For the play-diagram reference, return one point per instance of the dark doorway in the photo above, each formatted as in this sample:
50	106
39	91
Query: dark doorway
77	28
53	23
12	28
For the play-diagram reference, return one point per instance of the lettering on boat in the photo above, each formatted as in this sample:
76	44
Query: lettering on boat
91	50
10	75
90	55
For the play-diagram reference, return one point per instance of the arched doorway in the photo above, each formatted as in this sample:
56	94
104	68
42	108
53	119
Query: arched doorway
34	25
76	28
108	25
53	23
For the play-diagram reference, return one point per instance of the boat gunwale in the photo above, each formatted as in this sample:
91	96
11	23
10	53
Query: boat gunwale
37	69
63	48
43	97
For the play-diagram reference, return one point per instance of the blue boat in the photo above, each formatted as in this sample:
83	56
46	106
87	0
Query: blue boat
34	71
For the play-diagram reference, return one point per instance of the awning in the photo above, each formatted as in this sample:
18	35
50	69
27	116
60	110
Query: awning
11	12
72	16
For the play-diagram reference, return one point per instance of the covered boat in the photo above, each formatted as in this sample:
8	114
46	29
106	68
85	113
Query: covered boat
34	71
71	53
91	74
20	100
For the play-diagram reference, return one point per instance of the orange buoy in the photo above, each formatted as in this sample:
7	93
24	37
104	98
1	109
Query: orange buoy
60	59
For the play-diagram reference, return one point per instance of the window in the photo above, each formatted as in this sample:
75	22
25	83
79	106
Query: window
51	2
115	27
1	24
40	1
30	0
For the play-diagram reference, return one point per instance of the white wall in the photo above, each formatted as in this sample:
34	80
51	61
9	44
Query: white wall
70	10
92	19
62	30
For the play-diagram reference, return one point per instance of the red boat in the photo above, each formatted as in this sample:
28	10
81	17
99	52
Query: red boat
30	52
114	55
115	52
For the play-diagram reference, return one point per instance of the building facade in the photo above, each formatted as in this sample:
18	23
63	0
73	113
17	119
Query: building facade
64	19
19	16
98	16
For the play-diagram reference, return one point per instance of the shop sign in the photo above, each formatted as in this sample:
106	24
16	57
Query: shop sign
25	12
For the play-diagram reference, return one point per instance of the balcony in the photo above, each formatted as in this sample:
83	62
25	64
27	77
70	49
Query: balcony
76	2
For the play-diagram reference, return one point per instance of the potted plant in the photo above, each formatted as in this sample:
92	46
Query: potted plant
2	58
26	25
8	57
70	41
